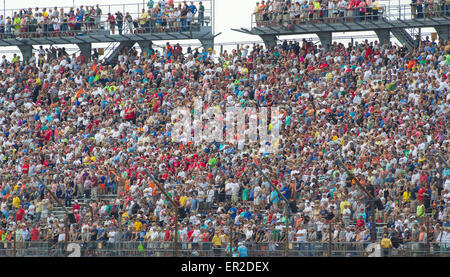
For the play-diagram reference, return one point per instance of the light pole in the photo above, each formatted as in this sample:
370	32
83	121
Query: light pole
371	197
68	214
286	207
175	208
444	161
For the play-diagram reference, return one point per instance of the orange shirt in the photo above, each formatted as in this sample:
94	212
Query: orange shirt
261	8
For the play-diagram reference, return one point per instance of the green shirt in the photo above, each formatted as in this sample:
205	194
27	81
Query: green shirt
16	23
108	209
276	235
245	194
421	211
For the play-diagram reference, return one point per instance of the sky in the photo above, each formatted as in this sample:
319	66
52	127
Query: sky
228	14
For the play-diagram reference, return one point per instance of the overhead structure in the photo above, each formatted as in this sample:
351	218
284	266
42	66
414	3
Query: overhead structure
84	42
393	20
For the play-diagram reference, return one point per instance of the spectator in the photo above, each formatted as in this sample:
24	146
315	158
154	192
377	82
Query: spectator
386	246
112	22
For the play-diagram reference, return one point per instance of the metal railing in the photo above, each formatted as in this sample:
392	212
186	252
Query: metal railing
134	9
207	249
346	15
101	23
69	29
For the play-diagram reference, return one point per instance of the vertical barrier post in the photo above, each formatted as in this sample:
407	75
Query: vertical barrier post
330	240
175	207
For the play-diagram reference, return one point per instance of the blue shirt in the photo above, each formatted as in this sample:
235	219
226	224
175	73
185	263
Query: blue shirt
194	204
141	235
286	192
233	211
78	19
100	233
193	9
274	196
242	251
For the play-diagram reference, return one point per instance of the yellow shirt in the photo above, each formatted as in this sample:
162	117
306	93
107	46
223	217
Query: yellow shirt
406	196
143	19
16	202
138	226
217	241
39	207
183	200
342	205
386	243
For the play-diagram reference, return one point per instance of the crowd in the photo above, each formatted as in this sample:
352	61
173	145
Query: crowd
289	12
89	128
159	16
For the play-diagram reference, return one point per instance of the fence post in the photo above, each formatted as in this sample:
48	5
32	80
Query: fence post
14	241
231	239
286	217
330	244
427	218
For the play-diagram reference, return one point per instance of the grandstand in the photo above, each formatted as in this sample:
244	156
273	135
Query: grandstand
91	164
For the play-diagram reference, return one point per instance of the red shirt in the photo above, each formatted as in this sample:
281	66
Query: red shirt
167	235
129	114
190	234
19	214
205	237
78	218
48	135
25	168
420	194
34	234
360	223
75	207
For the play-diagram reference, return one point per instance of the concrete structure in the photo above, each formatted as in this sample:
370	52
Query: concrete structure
84	40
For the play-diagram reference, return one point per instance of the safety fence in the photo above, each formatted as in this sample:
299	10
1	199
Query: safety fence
132	21
207	249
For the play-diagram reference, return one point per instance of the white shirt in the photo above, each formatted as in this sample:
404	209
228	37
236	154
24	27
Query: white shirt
301	235
210	195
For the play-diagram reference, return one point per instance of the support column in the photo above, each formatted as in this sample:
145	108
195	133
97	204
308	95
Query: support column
85	49
326	38
26	51
384	36
145	45
207	43
443	32
269	40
